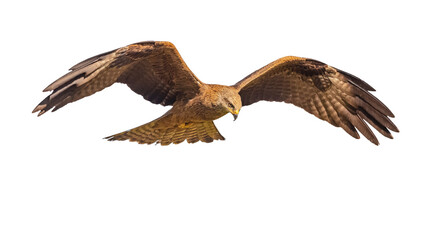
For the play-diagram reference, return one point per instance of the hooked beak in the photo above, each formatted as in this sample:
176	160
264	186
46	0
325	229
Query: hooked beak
235	114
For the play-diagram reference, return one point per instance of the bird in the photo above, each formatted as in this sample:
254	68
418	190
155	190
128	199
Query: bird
155	70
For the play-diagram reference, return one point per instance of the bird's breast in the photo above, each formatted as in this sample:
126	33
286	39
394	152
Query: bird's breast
197	111
206	112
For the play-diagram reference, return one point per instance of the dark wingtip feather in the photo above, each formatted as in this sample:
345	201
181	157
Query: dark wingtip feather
42	107
349	76
90	60
41	113
379	125
356	80
109	138
116	137
363	128
38	108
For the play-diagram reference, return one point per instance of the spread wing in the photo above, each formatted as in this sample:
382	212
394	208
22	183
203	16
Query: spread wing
154	70
330	94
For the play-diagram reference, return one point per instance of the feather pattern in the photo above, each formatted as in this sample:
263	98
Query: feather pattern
151	133
330	94
154	70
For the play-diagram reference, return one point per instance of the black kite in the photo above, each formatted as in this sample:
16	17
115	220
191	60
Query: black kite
156	71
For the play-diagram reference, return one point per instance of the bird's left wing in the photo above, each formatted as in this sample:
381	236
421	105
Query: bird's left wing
152	69
330	94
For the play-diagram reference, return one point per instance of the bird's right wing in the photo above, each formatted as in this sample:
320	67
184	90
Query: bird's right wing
154	70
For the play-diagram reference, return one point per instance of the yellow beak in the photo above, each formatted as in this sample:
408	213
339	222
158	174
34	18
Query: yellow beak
235	114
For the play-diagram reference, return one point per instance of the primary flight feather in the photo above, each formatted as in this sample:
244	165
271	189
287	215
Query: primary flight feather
156	71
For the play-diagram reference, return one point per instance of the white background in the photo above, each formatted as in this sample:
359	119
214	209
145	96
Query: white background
280	174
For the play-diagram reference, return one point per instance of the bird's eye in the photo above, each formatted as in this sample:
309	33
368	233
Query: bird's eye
231	105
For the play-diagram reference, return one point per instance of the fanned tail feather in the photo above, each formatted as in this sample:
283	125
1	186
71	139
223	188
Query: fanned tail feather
149	133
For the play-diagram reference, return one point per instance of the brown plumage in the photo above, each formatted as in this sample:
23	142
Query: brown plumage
156	71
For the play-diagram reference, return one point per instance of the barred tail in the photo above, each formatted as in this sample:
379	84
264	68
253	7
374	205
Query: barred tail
149	133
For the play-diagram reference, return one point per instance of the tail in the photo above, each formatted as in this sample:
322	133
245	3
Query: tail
149	133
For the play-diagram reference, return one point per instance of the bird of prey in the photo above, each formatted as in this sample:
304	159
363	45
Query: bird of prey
156	71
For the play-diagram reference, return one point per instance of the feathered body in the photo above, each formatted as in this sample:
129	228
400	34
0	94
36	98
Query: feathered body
156	71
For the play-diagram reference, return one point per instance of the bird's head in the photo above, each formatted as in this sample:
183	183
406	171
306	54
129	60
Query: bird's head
231	101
